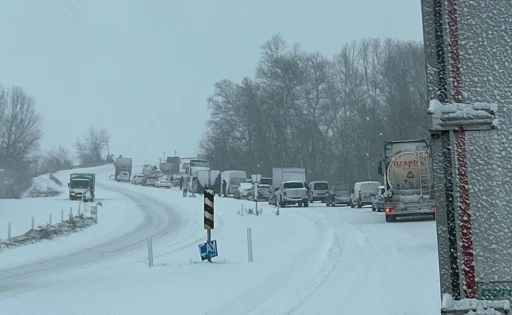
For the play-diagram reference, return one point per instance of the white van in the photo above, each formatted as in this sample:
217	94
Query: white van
361	194
318	191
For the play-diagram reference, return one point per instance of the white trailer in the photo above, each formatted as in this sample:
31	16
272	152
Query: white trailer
232	178
123	165
280	175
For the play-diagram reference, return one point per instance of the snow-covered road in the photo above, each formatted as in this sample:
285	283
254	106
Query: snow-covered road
307	261
159	220
384	268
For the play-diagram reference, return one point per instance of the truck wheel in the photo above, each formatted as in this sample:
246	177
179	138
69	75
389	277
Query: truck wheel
306	204
390	218
282	204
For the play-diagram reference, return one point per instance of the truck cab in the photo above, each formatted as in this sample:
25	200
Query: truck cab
81	185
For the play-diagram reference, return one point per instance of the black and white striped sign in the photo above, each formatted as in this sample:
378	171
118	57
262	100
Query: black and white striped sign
209	210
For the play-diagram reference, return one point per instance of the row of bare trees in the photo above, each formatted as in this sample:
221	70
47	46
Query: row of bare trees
89	151
328	115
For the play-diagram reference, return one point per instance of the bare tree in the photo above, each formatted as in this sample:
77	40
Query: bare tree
20	134
55	159
22	127
90	148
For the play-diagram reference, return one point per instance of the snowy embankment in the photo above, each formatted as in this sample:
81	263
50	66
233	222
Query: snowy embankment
21	215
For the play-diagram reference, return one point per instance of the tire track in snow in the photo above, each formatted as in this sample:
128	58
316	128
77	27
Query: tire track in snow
282	286
160	220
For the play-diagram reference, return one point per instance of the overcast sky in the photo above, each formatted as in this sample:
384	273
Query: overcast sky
143	69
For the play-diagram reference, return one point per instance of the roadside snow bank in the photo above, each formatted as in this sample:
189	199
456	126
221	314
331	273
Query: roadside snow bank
43	186
47	232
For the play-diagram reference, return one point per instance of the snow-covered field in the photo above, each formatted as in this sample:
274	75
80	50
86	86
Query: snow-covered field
316	260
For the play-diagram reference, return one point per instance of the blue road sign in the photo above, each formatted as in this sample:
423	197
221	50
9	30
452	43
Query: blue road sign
208	250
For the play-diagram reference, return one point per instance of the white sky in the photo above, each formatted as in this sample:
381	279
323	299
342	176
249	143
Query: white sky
143	69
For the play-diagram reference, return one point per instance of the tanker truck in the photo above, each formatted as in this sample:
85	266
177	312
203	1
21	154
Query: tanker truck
407	175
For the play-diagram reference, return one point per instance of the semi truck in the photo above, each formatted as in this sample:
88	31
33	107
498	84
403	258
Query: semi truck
80	183
407	175
123	165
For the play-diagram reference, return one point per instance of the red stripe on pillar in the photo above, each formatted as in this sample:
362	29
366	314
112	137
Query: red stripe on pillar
468	260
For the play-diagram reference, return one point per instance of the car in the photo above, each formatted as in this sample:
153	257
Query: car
338	195
150	181
272	196
163	182
123	177
137	179
243	190
264	192
318	191
361	193
378	199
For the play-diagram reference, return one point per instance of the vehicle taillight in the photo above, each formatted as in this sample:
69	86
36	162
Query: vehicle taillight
389	210
432	208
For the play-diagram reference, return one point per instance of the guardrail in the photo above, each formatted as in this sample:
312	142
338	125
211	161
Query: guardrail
55	179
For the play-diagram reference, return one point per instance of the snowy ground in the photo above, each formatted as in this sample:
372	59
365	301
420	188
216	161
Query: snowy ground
306	261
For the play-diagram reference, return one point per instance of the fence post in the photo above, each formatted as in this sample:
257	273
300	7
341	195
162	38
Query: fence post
150	251
9	231
249	244
32	224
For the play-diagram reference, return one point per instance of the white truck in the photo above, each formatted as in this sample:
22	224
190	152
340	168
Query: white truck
280	175
408	179
289	186
123	165
80	183
232	179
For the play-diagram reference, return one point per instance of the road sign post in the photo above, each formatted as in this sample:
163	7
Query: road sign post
209	211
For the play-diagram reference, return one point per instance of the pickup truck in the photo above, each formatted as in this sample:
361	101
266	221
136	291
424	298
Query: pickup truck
292	193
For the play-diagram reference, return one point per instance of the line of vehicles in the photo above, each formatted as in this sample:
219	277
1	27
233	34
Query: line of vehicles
405	166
